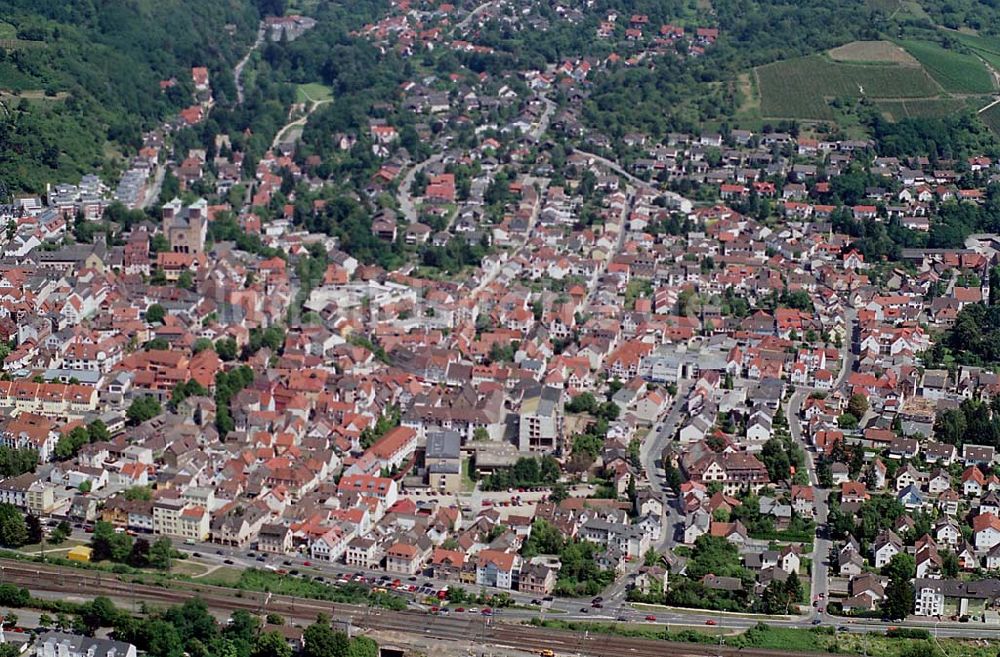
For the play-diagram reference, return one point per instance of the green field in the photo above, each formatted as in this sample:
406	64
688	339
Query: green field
922	108
986	47
313	93
800	88
886	6
11	79
991	118
797	641
955	71
7	31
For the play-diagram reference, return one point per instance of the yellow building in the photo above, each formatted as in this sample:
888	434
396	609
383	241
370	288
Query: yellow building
80	553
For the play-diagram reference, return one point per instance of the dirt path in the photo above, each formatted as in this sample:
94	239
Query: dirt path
996	82
238	69
300	123
464	23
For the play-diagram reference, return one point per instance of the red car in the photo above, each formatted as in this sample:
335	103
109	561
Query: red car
460	610
651	618
307	563
710	622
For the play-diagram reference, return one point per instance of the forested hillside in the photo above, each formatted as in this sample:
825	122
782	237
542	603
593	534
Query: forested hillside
75	73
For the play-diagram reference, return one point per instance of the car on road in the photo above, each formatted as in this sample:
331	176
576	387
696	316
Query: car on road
843	628
598	599
651	618
816	621
220	552
710	622
597	605
536	601
261	558
460	610
487	612
306	563
584	610
228	562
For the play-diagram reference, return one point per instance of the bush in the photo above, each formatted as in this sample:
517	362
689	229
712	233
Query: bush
908	633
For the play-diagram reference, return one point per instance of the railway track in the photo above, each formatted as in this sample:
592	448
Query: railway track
486	631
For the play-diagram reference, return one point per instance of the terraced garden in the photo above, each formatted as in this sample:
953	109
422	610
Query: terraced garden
956	72
801	88
906	79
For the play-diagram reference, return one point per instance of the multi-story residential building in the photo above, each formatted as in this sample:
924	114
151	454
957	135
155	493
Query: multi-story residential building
953	597
402	559
14	491
53	400
498	569
331	545
361	553
537	579
541	427
274	538
382	488
175	517
61	644
194	523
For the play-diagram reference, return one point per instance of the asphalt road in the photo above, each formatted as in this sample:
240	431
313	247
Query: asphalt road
820	557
